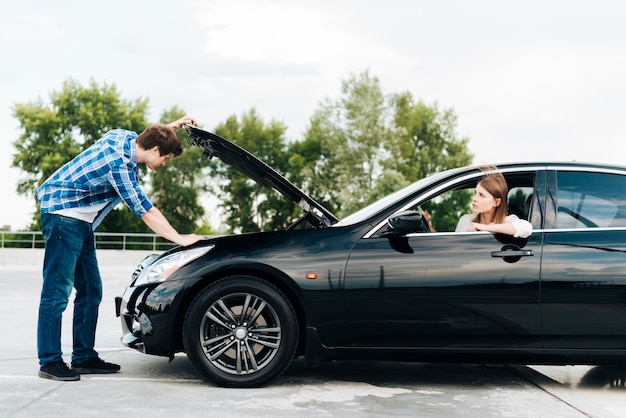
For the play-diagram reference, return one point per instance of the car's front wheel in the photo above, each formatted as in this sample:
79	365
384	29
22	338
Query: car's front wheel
240	332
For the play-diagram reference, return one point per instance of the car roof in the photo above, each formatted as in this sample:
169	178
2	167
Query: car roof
556	165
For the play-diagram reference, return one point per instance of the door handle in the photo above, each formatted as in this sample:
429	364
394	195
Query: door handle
513	253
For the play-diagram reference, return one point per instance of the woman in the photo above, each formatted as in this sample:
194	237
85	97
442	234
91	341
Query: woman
489	205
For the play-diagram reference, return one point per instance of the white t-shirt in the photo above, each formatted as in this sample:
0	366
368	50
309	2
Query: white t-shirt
83	213
523	229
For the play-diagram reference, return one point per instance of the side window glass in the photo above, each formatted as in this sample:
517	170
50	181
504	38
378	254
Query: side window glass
590	200
520	199
445	210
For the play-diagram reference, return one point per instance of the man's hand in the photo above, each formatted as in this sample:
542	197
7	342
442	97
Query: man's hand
190	239
182	122
161	226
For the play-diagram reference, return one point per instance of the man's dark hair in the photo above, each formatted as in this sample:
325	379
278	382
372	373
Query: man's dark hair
162	136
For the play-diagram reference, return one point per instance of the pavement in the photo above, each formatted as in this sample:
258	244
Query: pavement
153	386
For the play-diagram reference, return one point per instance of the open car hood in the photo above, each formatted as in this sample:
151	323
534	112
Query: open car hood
235	156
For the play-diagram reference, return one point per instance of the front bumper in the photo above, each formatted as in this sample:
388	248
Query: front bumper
153	306
150	317
131	324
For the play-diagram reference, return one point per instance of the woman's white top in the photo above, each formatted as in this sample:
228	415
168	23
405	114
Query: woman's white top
523	228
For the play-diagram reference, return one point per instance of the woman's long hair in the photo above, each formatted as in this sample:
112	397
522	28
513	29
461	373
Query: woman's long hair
493	181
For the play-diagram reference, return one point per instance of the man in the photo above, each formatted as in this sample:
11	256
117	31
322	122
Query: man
73	201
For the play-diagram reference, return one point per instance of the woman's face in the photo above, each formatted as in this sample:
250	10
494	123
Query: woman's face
483	201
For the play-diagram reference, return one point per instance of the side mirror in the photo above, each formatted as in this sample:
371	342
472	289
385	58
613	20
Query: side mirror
407	222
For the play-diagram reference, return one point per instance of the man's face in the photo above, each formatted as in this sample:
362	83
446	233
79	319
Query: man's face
155	159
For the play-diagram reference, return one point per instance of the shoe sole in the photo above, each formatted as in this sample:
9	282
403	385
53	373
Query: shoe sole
45	375
84	370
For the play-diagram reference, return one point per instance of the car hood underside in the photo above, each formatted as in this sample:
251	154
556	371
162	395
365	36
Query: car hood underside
240	159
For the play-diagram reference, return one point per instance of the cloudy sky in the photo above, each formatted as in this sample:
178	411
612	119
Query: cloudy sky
532	80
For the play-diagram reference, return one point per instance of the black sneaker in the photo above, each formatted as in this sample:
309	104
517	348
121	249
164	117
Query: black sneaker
95	365
58	370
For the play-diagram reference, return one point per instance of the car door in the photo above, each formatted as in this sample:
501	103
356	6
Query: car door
583	286
444	289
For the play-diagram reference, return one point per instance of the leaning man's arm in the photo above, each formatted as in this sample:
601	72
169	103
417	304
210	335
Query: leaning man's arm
124	180
161	226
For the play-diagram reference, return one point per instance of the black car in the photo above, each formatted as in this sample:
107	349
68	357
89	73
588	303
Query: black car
384	283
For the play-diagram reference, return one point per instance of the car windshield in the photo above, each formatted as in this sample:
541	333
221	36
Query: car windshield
388	200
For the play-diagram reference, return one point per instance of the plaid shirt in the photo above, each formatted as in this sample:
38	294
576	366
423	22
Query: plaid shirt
106	172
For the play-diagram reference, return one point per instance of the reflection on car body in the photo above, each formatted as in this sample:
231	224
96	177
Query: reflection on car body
380	284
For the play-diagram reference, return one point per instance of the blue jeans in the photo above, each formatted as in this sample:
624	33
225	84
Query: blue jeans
69	262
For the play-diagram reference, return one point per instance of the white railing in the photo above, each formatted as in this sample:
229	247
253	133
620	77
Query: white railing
104	240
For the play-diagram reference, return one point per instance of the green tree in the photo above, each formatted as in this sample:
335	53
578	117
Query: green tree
426	142
75	117
425	138
175	188
54	133
351	137
365	145
247	205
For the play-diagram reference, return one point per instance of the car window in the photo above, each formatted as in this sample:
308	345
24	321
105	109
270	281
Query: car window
381	204
519	200
445	209
590	200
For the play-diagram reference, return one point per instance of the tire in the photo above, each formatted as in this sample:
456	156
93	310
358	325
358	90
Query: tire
236	350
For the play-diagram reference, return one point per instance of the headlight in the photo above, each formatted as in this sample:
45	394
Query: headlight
163	268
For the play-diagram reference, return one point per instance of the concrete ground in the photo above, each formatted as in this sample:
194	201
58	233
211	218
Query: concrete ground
152	386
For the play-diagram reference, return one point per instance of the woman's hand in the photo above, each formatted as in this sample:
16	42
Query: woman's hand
475	226
503	228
